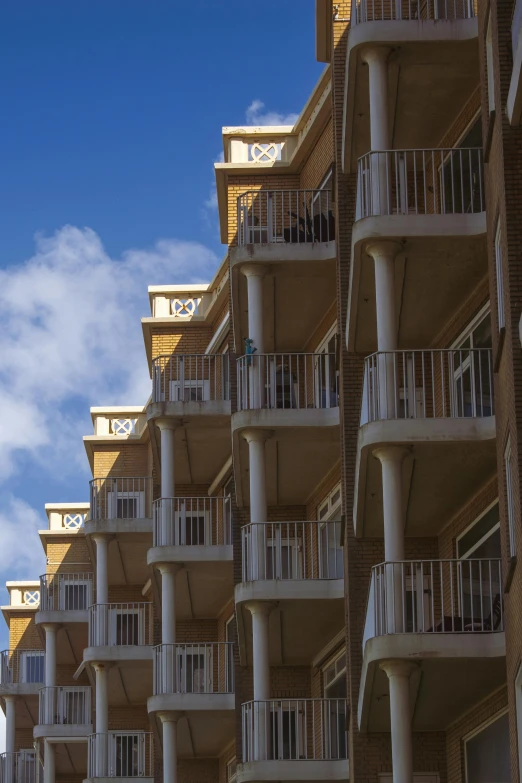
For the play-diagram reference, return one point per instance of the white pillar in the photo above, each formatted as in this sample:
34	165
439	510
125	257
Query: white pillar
102	720
170	750
254	274
260	611
50	654
257	553
49	762
383	254
391	458
9	724
400	719
167	429
102	569
168	603
376	58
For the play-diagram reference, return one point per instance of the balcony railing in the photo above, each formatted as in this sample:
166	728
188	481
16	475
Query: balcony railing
65	706
120	624
292	551
288	381
199	667
66	592
191	378
435	596
410	10
420	182
455	383
121	754
295	730
285	216
21	767
121	498
199	521
26	667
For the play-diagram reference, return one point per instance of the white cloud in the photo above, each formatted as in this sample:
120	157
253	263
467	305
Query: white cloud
70	337
21	549
256	115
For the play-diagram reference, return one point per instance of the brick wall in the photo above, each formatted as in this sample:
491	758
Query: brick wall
320	159
68	556
121	460
240	184
23	633
179	339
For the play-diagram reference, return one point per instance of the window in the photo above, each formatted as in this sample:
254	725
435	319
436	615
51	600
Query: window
287	730
489	66
128	755
325	372
487	753
227	511
284	555
499	276
127	626
190	390
75	594
510	505
195	671
231	770
334	710
32	663
231	638
330	549
72	706
192	524
472	388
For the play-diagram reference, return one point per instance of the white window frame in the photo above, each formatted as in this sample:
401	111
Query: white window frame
113	624
469	552
193	651
278	542
180	525
299	740
138	764
112	503
467	365
499	272
191	383
25	655
474	733
232	775
322	348
510	502
333	511
71	581
63	707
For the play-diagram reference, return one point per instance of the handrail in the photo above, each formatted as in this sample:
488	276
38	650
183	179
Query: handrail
441	181
192	521
433	384
194	667
121	754
285	216
288	381
123	625
65	705
69	592
121	497
20	767
411	10
20	666
295	729
292	551
191	377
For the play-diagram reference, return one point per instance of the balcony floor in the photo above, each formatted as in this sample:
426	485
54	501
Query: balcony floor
295	771
455	671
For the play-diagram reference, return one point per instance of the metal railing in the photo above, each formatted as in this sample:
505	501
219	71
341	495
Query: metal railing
198	521
295	729
124	625
21	767
199	667
454	383
292	551
22	667
121	497
287	381
420	182
191	377
121	754
65	705
410	10
69	592
285	216
435	596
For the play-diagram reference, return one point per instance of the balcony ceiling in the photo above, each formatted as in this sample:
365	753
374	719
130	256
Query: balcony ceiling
71	758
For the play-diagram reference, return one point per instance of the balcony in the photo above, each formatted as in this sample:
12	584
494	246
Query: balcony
21	767
121	754
22	672
439	405
66	517
432	70
299	567
196	533
197	679
65	597
65	712
296	397
447	616
190	384
294	739
431	205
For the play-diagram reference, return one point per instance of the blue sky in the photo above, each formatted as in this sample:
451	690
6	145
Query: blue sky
111	117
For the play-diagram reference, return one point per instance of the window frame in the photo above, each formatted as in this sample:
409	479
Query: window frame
499	276
508	471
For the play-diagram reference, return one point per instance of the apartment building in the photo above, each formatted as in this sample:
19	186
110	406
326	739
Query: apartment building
298	561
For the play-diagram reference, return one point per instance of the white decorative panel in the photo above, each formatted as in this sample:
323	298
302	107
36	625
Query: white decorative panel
32	597
73	521
123	426
185	307
264	152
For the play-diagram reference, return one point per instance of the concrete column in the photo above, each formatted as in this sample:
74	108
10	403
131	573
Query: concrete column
9	724
400	718
102	569
102	720
49	762
391	458
167	429
260	611
387	382
170	750
168	602
254	274
50	654
258	503
377	60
